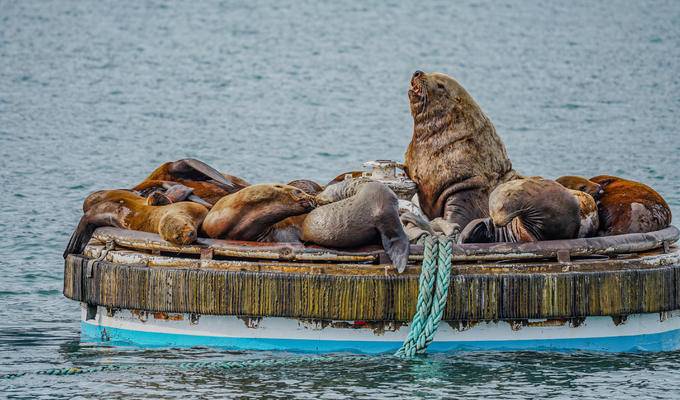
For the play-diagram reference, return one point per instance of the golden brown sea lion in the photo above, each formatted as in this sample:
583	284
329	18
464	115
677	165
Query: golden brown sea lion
250	213
626	206
177	223
207	183
527	210
455	156
581	184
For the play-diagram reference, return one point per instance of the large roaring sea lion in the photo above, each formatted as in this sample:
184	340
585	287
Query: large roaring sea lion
455	156
624	206
527	210
177	223
206	182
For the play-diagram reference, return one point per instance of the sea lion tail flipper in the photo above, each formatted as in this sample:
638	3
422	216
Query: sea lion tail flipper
396	245
199	169
80	236
178	192
103	214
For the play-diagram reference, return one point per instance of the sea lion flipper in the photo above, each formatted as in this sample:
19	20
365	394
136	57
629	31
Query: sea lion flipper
396	246
191	167
103	214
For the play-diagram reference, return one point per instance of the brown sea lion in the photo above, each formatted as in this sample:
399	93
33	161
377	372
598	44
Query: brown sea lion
627	206
207	183
455	156
177	223
527	210
250	213
581	184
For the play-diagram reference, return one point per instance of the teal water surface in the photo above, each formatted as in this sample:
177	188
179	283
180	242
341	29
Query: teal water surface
96	94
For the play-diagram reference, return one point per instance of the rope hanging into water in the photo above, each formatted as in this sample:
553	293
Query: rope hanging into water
433	288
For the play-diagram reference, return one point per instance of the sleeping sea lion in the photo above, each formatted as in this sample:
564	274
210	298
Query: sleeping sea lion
455	156
250	213
626	206
207	183
581	184
527	210
358	212
177	223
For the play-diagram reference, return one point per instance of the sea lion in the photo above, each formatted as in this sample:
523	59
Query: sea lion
355	213
581	184
527	210
250	213
455	156
207	183
626	206
177	223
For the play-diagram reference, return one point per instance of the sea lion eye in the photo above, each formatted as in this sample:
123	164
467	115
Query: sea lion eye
441	86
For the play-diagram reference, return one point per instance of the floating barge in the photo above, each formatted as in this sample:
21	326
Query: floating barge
619	293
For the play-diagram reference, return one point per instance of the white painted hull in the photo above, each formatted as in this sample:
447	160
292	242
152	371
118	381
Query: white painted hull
639	332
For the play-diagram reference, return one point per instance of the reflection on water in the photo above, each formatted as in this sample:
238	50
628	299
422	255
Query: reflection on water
95	95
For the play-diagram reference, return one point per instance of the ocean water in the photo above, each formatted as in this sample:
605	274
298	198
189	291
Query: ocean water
95	94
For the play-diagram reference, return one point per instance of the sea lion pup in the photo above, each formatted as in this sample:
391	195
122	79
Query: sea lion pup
207	183
455	156
527	210
250	213
177	223
358	212
626	206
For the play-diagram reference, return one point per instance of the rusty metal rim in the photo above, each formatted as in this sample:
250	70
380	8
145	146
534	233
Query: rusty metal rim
610	245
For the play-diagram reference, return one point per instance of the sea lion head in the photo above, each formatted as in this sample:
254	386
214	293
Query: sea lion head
546	209
434	93
306	185
582	185
178	228
291	198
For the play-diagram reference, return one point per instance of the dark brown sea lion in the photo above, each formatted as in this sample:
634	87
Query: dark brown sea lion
626	206
527	210
250	213
207	183
177	223
455	156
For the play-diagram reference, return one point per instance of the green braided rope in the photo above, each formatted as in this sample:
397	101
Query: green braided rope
261	363
441	292
424	302
432	295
